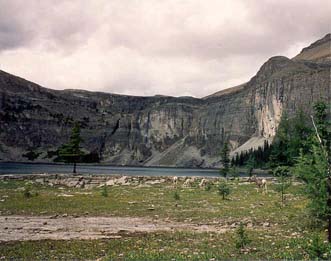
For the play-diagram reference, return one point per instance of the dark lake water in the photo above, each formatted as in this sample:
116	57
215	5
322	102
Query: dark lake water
36	168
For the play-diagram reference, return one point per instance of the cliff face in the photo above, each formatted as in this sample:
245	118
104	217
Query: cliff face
161	130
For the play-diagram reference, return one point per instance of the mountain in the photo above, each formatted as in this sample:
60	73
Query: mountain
162	130
227	91
320	51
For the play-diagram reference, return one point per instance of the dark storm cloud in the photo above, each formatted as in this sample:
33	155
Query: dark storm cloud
146	47
12	32
57	24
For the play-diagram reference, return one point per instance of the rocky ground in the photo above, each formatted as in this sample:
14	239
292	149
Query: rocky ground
65	227
22	228
92	181
145	218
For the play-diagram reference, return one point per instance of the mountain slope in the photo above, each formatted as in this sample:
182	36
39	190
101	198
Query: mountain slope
319	51
227	91
161	130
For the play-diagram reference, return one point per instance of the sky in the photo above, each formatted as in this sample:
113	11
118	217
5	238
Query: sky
152	47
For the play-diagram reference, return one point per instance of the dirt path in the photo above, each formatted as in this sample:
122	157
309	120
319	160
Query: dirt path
21	228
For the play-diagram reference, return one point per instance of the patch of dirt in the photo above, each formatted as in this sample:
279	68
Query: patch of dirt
22	228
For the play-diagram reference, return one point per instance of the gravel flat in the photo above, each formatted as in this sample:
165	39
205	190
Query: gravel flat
22	228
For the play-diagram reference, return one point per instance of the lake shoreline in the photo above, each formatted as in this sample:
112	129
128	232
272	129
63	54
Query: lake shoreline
101	164
98	180
90	169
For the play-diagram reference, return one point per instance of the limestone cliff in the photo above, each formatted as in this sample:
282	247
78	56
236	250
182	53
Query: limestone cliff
161	130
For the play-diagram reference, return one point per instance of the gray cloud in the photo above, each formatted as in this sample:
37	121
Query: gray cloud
12	32
147	47
57	24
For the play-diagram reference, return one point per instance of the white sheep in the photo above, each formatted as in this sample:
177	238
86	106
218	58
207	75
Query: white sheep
203	183
175	180
189	182
261	183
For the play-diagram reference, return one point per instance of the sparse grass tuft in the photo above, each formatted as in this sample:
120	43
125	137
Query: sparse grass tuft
104	191
176	195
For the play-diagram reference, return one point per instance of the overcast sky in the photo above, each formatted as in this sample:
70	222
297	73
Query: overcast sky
148	47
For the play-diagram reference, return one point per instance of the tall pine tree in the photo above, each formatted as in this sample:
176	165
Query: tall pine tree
225	160
71	152
314	167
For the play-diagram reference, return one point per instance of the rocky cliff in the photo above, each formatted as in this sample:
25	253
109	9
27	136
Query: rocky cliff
161	130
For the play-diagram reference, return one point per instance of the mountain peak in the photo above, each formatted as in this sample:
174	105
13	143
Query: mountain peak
319	51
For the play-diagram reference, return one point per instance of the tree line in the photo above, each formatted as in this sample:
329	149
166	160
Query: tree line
293	135
301	149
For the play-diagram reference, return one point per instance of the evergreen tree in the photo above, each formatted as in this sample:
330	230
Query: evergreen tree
292	136
71	151
242	239
237	160
250	164
223	190
314	167
300	135
279	154
233	162
284	181
258	157
321	118
234	172
225	160
104	191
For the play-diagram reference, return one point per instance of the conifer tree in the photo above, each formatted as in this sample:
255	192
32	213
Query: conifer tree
279	154
71	151
224	190
250	164
242	239
225	160
284	181
314	168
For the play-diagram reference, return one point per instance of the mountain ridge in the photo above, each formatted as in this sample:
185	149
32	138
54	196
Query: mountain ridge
319	51
159	130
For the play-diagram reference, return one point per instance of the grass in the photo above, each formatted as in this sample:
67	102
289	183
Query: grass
162	246
194	203
285	238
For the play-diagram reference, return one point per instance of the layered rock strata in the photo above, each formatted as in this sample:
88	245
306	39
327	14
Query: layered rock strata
162	130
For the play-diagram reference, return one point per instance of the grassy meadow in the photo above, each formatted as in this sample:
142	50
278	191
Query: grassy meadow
274	231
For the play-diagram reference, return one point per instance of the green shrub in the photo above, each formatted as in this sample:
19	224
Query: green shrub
104	191
223	189
317	249
242	239
27	192
234	173
208	187
176	195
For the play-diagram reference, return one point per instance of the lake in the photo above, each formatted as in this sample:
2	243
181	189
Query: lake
38	168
